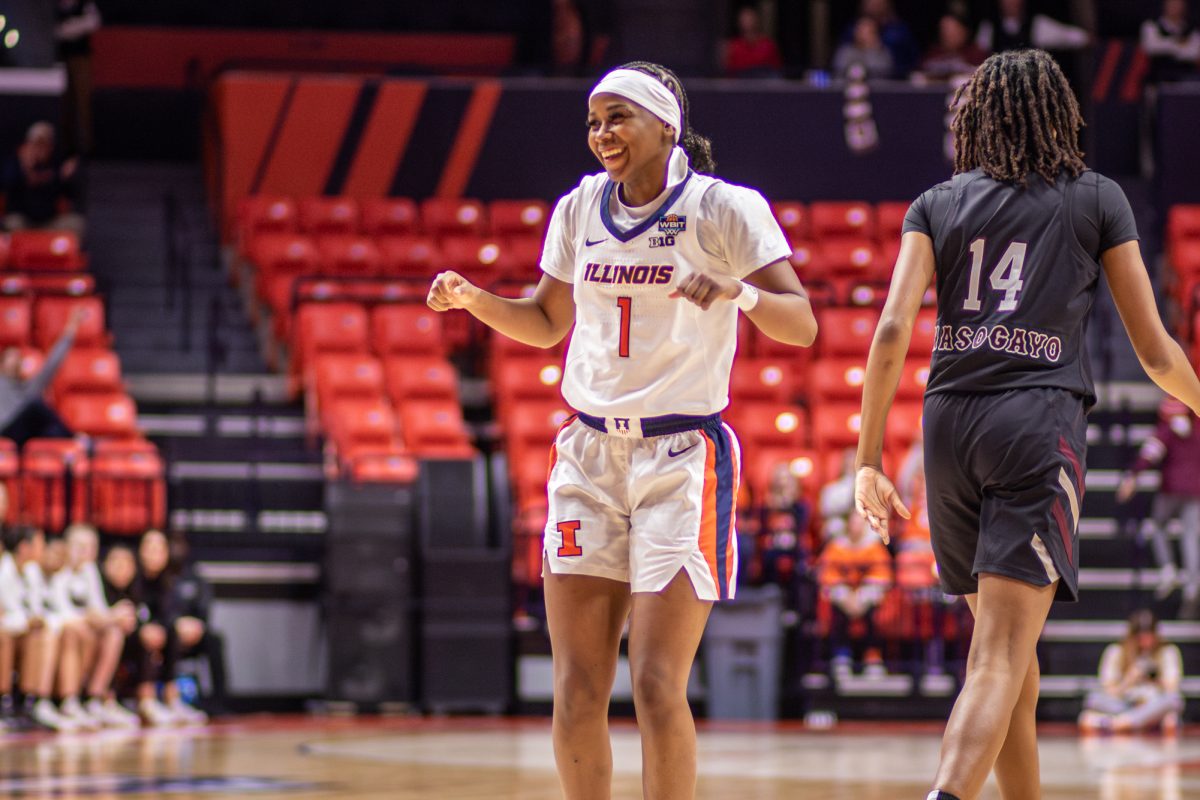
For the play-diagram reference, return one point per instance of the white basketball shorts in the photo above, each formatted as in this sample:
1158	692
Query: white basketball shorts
638	500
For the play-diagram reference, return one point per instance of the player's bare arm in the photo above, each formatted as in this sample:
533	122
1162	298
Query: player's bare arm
782	310
1159	354
874	495
539	321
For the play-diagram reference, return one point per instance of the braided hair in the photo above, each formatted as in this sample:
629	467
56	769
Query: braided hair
698	148
1016	115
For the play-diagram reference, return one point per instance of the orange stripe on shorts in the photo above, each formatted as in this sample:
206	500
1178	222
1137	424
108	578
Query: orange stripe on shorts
708	510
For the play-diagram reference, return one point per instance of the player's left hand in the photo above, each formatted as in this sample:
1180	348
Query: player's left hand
704	290
875	498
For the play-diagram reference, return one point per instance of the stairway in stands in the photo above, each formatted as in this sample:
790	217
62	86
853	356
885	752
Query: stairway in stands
242	481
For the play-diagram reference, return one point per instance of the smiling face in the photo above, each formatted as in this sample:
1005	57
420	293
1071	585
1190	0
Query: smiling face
153	553
631	143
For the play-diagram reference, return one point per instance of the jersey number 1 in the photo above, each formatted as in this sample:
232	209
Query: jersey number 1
1006	277
626	306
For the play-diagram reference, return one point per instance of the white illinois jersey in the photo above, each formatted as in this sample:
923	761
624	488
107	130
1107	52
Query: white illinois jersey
635	351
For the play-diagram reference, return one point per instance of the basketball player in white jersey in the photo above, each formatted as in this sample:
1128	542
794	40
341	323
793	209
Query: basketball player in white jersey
650	260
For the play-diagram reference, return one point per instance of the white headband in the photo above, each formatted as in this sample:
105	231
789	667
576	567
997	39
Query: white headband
647	92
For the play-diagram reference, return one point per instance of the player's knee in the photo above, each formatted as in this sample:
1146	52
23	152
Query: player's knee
579	691
657	692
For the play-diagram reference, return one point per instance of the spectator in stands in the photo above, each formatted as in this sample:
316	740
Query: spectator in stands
837	499
142	655
1011	27
193	597
39	189
954	54
28	638
1175	449
893	31
177	604
78	595
855	574
865	52
1139	682
1172	43
752	53
24	413
76	21
783	532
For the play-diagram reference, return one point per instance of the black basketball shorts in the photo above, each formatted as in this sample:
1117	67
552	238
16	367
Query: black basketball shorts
1005	479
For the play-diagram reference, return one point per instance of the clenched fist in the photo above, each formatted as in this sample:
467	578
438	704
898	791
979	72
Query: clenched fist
451	290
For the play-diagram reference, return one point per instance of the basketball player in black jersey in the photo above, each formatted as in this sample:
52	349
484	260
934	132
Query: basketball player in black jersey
1016	241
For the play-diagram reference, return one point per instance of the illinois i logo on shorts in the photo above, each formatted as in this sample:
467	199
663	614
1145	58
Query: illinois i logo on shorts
569	546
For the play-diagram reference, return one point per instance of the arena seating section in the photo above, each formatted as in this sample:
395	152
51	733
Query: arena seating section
341	284
116	479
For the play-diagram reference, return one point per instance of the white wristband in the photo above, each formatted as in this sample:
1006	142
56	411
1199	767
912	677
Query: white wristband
747	299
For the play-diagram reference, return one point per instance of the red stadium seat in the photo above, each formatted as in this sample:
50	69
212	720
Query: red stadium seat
435	429
45	250
358	424
835	426
277	255
338	376
847	332
1183	222
480	259
327	328
793	217
50	316
259	214
837	379
452	216
761	379
329	215
5	245
924	334
409	377
70	284
54	477
10	470
32	361
852	257
528	469
406	328
769	425
524	257
913	380
410	255
533	424
110	415
383	466
760	463
128	487
842	219
519	217
889	221
903	425
88	371
1184	255
514	381
388	216
348	255
14	285
16	319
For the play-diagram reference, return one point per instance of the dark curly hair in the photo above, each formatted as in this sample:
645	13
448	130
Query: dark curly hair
1017	115
698	148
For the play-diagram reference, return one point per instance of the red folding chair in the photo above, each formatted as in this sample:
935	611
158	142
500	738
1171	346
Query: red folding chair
410	255
348	255
420	377
128	487
520	217
889	221
35	250
54	483
761	379
50	316
831	220
88	370
435	429
388	216
329	215
16	321
453	216
406	328
111	415
793	217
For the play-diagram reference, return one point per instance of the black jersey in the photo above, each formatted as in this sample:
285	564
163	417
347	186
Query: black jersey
1016	271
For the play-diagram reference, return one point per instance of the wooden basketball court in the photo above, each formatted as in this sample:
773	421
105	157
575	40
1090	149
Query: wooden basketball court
273	758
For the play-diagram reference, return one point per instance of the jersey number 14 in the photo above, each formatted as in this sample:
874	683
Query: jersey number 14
1006	277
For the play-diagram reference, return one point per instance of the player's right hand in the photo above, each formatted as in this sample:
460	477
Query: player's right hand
451	290
875	498
1126	489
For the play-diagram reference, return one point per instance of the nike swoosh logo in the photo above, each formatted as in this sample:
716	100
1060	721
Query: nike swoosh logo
589	242
673	453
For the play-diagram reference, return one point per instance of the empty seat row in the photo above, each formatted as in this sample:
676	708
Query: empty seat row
41	250
824	221
379	216
39	322
119	487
